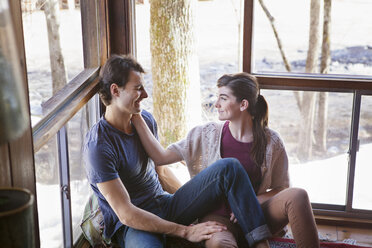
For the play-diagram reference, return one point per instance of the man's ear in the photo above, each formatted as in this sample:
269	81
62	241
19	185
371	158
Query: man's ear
244	105
114	89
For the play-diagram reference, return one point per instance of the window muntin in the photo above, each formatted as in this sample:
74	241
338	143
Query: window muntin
350	44
39	72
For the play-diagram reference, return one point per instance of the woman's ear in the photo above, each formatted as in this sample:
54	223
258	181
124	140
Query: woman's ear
244	104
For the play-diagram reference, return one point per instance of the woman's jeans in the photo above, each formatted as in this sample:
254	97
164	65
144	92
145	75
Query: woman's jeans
224	180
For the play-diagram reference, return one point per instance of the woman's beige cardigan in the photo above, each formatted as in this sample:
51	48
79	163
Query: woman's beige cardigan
202	147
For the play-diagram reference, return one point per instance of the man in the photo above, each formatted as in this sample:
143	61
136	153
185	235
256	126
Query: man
137	212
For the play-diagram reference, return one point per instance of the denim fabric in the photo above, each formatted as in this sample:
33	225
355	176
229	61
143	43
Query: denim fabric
225	180
137	238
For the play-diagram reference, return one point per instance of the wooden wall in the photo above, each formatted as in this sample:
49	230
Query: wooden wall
17	157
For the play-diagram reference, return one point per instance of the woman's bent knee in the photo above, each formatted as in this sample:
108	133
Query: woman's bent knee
298	196
300	193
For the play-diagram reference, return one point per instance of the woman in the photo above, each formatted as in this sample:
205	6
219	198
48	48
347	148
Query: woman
245	136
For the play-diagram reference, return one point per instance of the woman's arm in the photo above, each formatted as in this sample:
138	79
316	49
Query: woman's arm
168	180
152	146
117	196
279	174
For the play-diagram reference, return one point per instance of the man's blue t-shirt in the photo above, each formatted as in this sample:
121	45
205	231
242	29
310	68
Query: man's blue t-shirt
109	154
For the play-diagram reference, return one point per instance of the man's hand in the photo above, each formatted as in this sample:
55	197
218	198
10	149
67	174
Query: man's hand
203	231
233	218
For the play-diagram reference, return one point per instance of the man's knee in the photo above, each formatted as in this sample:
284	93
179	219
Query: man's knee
230	164
221	240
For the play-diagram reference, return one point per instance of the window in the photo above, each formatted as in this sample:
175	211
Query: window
362	198
80	190
60	112
48	194
219	41
350	46
54	49
324	173
339	98
332	91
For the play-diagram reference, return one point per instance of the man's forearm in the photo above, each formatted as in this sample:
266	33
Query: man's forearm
142	220
152	146
149	222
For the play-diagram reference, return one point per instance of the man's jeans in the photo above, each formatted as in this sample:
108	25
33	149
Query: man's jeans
223	180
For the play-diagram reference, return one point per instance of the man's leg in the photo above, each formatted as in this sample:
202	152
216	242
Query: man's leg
128	237
223	180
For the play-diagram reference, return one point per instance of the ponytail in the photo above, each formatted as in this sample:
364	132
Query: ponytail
262	111
260	123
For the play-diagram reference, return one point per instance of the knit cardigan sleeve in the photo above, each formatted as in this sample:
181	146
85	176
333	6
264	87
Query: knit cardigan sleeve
200	148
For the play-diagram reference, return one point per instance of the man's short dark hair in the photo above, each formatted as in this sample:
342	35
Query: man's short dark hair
116	70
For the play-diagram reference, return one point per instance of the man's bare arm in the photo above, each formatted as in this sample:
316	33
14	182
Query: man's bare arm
152	146
118	198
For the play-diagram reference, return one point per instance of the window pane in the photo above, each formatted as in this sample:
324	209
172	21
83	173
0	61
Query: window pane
321	167
80	190
350	44
218	34
60	33
143	47
49	195
362	185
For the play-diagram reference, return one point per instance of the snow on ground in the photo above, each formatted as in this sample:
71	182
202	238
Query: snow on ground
50	215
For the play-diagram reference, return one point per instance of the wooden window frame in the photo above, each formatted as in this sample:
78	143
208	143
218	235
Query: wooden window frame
358	86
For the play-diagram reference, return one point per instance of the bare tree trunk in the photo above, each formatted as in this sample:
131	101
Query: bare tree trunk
314	37
287	66
175	68
322	120
57	63
308	111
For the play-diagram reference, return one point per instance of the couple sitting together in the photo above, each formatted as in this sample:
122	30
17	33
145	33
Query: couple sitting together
238	191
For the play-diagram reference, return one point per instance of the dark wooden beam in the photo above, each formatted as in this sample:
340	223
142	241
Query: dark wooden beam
316	82
120	26
94	18
21	154
247	35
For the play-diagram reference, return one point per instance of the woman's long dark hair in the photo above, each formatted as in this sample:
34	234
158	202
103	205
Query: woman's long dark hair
245	86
